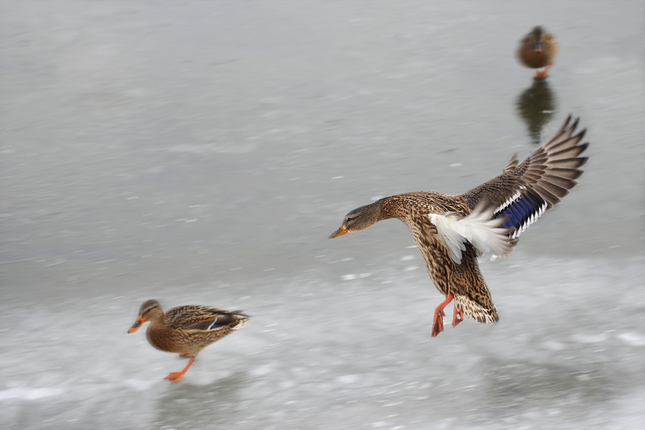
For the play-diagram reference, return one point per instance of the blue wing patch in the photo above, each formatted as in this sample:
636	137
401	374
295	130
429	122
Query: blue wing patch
521	211
214	325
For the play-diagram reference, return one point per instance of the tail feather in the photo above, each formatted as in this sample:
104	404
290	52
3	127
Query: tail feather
242	322
477	311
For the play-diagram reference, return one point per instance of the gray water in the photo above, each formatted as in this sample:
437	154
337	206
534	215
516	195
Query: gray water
201	153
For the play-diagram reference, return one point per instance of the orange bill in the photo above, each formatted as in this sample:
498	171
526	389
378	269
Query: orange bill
341	231
136	325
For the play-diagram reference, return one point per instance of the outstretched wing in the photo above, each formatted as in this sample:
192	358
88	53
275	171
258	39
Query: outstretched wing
525	190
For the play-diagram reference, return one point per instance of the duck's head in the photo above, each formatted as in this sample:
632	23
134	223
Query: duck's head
149	310
359	219
537	38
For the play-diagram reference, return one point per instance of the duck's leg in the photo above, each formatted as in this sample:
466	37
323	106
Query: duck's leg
176	376
437	323
542	74
457	316
185	354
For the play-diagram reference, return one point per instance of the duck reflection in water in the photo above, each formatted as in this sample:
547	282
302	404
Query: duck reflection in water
536	105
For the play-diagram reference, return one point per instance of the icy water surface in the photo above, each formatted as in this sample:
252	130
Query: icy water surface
201	153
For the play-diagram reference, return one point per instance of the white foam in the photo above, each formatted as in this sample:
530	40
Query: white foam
352	276
30	393
632	339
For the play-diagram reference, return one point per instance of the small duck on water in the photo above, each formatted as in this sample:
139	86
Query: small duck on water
538	49
451	232
186	329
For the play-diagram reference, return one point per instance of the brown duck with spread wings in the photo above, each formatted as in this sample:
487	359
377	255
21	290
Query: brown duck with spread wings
452	231
186	329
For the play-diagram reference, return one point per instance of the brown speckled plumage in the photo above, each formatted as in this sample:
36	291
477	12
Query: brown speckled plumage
187	329
528	188
464	280
538	49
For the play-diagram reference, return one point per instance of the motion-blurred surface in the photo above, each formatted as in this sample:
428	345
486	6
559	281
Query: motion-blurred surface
201	152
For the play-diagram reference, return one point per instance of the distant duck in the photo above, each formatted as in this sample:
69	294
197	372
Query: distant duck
452	231
538	49
186	329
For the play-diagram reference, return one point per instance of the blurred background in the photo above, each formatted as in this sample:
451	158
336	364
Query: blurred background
201	153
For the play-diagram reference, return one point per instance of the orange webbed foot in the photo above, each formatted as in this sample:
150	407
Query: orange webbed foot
437	324
176	376
457	316
543	74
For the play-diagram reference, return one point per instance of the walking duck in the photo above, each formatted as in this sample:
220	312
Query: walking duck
538	49
452	231
186	329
